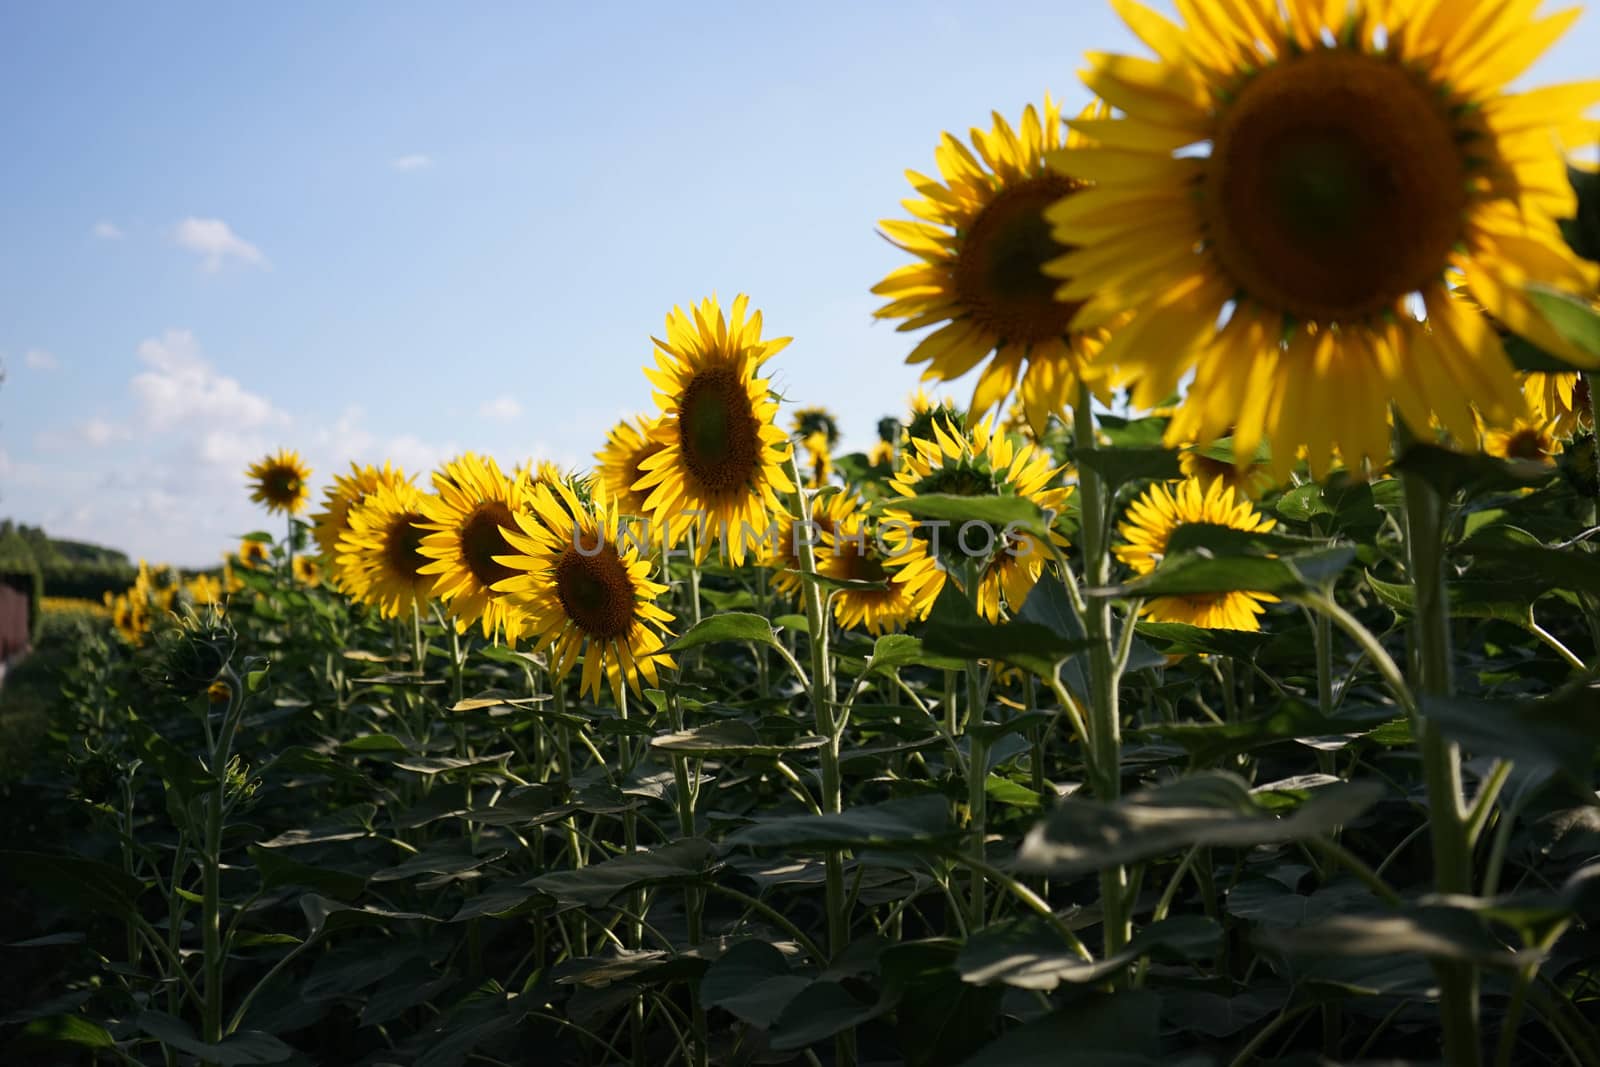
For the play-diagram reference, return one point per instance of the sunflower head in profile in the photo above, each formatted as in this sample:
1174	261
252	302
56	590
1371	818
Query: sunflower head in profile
1284	185
1531	440
720	469
921	555
1560	401
809	422
781	552
819	460
380	558
279	482
851	552
347	490
474	505
255	555
981	240
628	445
926	411
307	572
1147	529
585	592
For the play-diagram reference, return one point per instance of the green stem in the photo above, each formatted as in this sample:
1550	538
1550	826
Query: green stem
1105	718
1441	759
822	708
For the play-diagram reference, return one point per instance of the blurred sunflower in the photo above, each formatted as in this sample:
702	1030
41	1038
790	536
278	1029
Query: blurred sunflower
981	243
475	504
347	490
721	455
982	463
1248	481
1286	181
254	555
204	589
307	571
279	482
627	446
584	592
1561	401
850	553
1527	439
882	453
1148	527
819	460
926	411
379	557
781	553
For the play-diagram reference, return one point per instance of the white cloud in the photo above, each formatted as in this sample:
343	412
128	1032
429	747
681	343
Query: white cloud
183	388
108	231
39	359
217	243
98	431
415	161
504	407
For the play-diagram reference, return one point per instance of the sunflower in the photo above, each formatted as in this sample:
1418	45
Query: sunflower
254	555
629	444
204	589
981	463
1150	522
475	504
307	571
1560	400
1249	481
850	552
881	455
1286	181
926	411
584	591
819	460
721	464
347	490
782	550
1526	439
814	420
980	245
279	482
379	557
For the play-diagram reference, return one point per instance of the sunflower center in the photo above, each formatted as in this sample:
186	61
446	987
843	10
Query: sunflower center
1527	444
402	545
596	592
862	567
481	541
1335	187
999	270
281	483
718	431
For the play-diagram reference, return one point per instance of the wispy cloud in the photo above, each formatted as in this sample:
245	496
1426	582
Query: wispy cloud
108	231
504	407
415	161
215	240
181	387
39	359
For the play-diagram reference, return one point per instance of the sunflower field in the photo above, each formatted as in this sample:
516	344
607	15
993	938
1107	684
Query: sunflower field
1220	684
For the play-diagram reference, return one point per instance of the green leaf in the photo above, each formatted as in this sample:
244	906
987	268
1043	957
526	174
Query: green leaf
1225	541
1434	931
892	651
1119	466
1449	471
375	743
752	982
1529	357
83	884
955	630
278	869
1213	808
1583	230
55	1030
684	861
1468	599
1093	1030
1181	639
730	737
998	512
911	823
241	1047
1562	730
1570	316
1018	954
1210	743
729	626
1198	574
182	771
819	1011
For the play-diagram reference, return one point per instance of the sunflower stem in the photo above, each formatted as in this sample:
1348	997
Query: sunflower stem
977	766
1105	718
1441	759
827	728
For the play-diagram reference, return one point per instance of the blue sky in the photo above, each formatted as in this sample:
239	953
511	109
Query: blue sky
384	229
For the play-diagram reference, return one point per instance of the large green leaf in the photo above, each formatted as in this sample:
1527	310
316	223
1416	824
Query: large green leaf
954	629
912	823
1197	574
892	651
728	626
752	981
1095	1030
1572	317
729	737
243	1047
817	1012
279	869
86	885
1212	808
1433	931
683	861
1449	471
1210	743
1119	466
1562	730
1020	954
997	512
